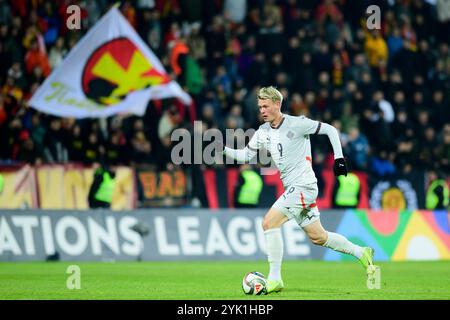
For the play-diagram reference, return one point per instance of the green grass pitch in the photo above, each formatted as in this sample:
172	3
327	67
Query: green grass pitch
221	280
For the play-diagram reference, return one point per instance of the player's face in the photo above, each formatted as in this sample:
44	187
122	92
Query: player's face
269	109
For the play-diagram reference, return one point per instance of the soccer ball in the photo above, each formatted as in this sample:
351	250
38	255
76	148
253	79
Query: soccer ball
254	283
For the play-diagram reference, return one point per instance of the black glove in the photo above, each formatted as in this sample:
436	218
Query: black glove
340	167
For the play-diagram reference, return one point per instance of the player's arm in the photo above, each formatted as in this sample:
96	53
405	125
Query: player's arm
246	154
309	126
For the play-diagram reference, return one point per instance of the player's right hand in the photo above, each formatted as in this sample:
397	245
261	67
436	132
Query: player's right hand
340	167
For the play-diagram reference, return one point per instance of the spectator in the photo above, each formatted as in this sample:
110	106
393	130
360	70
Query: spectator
402	124
178	53
357	149
28	151
380	165
51	22
394	42
5	12
54	149
38	133
197	44
406	153
235	10
427	147
258	72
116	153
236	113
57	53
76	144
296	105
17	74
322	59
208	116
141	148
215	43
129	12
328	11
443	15
222	79
93	151
439	109
422	123
443	150
305	80
34	57
392	85
11	89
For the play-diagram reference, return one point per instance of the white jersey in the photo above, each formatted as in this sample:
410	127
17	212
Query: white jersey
289	147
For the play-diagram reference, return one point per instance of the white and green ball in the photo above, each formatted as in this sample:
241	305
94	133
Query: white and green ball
254	283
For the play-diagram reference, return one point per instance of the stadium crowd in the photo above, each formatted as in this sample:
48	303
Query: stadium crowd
387	89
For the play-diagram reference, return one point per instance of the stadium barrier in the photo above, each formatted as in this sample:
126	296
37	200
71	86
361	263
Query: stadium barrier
67	186
192	234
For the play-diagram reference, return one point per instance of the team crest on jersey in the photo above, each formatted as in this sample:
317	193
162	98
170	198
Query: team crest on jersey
290	135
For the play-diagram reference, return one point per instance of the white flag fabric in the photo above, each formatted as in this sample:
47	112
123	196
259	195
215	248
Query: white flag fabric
111	70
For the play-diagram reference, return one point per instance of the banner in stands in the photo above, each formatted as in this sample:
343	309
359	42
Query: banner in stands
398	193
67	187
192	234
161	188
61	187
111	70
19	188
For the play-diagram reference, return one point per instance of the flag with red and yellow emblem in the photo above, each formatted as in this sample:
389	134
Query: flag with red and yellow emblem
111	70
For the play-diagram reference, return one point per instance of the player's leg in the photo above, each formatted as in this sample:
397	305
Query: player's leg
309	220
319	236
272	223
335	241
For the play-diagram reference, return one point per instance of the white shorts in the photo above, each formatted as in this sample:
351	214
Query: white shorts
299	203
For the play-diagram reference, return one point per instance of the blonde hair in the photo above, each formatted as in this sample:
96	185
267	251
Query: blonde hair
270	93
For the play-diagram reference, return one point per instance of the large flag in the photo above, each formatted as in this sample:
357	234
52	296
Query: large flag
111	70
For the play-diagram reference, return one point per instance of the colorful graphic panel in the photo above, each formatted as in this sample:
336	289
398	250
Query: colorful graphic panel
397	235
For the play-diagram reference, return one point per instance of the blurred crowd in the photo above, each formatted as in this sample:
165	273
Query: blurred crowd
386	89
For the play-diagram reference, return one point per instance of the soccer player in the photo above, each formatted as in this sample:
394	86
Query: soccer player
287	139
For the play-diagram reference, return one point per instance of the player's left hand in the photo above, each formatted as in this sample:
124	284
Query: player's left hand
340	167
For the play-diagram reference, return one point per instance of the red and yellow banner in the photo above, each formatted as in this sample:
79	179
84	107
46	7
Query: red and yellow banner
19	190
110	70
161	188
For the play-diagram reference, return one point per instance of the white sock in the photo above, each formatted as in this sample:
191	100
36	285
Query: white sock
274	248
340	243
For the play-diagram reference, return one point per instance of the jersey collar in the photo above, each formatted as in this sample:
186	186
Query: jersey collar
279	125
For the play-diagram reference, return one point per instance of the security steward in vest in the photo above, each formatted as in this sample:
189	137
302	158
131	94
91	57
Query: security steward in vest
437	196
346	191
102	188
248	189
2	183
